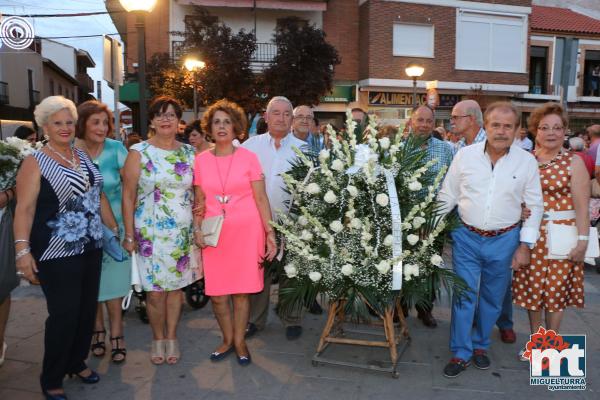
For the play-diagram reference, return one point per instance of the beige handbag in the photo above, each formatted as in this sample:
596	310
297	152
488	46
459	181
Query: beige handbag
211	229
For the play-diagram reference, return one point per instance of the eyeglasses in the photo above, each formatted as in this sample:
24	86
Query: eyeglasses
166	116
555	129
455	117
304	118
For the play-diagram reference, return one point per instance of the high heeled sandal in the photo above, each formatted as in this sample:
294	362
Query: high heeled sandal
97	344
54	396
118	354
157	354
172	350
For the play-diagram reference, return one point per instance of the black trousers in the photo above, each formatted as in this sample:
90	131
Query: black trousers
71	288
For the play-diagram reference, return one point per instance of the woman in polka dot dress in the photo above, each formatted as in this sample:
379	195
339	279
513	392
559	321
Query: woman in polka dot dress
553	285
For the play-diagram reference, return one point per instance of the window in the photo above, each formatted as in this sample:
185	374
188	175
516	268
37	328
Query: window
538	78
413	40
52	87
591	75
491	42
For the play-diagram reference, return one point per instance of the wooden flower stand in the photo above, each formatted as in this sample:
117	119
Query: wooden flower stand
334	333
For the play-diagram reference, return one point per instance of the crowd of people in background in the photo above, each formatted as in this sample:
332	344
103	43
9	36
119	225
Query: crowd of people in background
156	194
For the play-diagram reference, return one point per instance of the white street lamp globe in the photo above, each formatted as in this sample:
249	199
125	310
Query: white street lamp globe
414	70
138	5
192	64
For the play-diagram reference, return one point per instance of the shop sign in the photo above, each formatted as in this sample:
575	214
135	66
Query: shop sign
339	94
406	99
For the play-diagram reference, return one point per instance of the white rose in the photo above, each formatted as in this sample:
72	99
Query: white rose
393	149
382	199
384	142
415	186
290	271
436	260
336	226
383	267
312	188
352	190
323	155
330	197
306	235
302	220
347	269
337	165
355	223
418	221
315	276
350	213
412	239
389	239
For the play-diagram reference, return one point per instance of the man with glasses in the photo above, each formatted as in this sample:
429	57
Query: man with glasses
488	182
466	121
422	121
275	151
301	127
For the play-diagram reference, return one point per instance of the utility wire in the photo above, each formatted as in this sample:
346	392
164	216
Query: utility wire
82	14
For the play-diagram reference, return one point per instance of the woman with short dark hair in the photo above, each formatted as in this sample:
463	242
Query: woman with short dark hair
157	214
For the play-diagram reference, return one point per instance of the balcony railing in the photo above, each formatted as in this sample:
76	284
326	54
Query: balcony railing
86	83
264	53
4	93
541	85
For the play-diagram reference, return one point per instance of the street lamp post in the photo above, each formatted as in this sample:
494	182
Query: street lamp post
414	71
141	7
193	65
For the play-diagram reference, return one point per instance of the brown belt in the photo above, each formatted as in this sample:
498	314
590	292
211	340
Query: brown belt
498	232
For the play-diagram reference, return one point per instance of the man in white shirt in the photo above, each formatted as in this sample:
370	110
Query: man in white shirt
523	141
275	151
488	182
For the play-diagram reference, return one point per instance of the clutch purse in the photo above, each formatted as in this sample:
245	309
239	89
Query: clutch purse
111	245
211	229
136	282
563	238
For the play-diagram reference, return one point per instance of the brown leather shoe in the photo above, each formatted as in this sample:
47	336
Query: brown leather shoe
428	319
508	335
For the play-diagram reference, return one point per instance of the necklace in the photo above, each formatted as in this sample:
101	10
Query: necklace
74	165
223	198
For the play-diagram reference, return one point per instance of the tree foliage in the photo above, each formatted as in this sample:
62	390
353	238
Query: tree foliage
304	66
302	69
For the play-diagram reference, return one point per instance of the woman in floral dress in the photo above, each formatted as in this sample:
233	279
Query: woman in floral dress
157	214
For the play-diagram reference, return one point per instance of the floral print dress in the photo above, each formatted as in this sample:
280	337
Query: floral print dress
163	217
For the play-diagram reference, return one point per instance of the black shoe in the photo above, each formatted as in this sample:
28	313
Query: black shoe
49	396
428	319
92	378
251	330
480	359
244	361
216	356
455	367
315	308
293	332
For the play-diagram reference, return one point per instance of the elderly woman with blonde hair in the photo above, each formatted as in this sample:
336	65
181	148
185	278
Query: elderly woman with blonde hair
58	241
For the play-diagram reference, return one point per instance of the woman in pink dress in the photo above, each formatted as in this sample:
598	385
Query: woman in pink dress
229	181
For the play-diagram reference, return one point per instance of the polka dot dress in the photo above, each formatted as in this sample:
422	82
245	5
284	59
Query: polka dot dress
551	284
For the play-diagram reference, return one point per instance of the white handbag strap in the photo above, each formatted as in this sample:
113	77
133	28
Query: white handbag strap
559	215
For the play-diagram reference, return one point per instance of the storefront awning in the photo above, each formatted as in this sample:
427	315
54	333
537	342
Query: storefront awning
129	93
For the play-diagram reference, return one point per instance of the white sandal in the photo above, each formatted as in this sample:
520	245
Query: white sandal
157	354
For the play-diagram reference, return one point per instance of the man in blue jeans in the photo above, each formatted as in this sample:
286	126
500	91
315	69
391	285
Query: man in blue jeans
488	182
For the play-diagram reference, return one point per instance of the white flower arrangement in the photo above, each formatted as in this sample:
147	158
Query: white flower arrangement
339	236
12	152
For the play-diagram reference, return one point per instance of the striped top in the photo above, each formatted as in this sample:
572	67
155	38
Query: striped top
67	218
